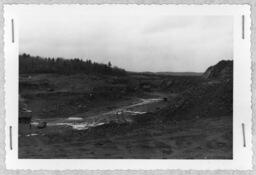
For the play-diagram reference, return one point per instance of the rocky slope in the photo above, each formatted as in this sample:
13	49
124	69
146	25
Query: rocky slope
222	70
212	97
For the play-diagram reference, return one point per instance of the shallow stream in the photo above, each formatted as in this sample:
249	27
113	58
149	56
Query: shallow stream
119	115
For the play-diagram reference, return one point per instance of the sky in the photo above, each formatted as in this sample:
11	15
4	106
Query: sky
134	38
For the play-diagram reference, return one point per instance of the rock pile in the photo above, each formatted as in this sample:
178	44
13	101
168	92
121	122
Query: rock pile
212	97
222	70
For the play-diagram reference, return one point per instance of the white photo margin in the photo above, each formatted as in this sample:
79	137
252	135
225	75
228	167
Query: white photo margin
242	113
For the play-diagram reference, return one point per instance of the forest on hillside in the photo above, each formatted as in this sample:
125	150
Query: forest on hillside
36	64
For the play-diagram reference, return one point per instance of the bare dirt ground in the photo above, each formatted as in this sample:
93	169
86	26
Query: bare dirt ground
199	139
195	139
125	120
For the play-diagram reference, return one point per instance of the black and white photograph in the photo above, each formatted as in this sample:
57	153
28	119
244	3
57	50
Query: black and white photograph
96	85
108	82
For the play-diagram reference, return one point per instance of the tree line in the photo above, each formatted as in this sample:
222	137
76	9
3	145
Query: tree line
36	64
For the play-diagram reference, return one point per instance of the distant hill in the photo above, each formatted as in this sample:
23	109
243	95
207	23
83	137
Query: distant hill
172	73
180	73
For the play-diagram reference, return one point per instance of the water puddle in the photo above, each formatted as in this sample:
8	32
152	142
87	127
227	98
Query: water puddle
119	115
84	126
135	112
145	101
75	118
75	125
32	134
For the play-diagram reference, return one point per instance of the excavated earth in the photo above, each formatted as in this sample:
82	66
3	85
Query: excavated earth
157	117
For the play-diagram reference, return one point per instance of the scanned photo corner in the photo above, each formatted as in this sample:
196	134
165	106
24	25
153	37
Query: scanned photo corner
128	87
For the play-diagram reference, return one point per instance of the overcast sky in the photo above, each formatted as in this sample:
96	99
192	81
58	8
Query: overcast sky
131	38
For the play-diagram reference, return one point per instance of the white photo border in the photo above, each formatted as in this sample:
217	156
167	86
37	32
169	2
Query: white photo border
242	113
